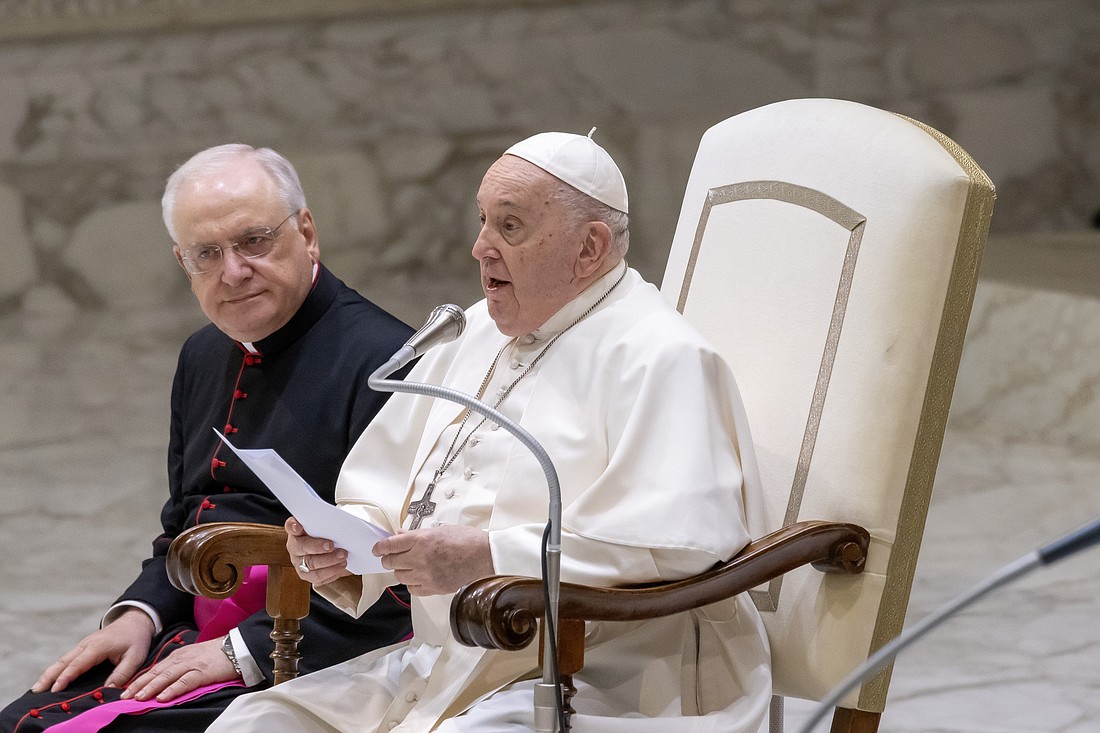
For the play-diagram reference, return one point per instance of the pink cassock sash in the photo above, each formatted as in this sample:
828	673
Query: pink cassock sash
218	618
214	619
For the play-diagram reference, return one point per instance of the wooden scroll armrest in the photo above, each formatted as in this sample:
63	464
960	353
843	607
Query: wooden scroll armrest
211	560
502	612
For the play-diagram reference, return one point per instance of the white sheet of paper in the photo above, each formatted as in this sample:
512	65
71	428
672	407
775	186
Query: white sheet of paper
318	517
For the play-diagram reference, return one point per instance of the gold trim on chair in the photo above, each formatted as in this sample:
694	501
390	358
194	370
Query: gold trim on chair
977	213
851	220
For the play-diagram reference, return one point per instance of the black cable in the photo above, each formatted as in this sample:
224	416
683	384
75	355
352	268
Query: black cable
551	634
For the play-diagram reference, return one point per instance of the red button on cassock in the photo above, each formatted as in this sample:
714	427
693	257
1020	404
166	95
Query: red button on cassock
215	463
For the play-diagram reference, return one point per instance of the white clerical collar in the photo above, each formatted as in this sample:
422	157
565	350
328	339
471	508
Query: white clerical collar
572	310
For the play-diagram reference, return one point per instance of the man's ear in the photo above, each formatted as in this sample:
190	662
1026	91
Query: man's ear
308	229
179	260
594	249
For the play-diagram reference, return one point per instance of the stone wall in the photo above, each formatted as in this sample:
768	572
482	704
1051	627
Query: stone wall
392	118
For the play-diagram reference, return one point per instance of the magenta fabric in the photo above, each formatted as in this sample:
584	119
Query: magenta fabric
95	719
217	618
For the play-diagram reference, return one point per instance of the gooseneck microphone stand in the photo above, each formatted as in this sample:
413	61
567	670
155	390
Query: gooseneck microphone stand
445	324
1079	539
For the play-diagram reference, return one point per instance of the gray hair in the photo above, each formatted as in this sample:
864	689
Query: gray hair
583	208
288	187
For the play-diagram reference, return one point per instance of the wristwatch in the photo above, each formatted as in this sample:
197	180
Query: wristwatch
227	647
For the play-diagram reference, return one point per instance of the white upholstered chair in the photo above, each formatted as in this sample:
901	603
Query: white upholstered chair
830	251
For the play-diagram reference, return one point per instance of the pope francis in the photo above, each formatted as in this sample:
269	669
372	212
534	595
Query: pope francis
645	427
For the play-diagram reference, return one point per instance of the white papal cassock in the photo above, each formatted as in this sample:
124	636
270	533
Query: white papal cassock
645	427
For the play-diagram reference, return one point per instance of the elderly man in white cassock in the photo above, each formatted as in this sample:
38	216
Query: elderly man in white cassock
645	427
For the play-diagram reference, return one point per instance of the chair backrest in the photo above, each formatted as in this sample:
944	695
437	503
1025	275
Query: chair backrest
830	250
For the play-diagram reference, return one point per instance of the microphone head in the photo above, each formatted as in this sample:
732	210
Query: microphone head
444	325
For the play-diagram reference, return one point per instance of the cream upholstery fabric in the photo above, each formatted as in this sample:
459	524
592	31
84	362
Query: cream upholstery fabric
830	251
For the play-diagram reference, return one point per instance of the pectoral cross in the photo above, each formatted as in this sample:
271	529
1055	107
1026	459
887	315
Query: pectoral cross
425	507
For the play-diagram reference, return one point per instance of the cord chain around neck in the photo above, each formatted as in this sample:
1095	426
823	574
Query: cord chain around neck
452	453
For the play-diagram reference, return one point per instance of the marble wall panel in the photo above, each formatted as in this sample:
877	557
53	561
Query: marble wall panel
1031	367
19	269
394	116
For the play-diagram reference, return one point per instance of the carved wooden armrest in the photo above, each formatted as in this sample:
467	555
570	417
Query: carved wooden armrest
211	560
502	612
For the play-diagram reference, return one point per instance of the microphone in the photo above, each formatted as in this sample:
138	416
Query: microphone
1077	540
444	324
1048	554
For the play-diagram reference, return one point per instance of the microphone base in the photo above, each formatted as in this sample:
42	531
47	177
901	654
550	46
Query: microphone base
546	708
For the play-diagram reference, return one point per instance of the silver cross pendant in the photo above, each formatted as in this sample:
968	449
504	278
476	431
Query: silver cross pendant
425	507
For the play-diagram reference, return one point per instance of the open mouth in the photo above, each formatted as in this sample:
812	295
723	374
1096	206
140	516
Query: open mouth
491	283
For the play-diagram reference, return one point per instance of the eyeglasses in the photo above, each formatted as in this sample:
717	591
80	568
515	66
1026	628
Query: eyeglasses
202	258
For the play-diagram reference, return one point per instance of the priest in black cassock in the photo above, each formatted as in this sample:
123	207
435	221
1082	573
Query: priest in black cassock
283	365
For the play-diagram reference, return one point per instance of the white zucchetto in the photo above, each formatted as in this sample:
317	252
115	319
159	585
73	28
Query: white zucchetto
578	161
